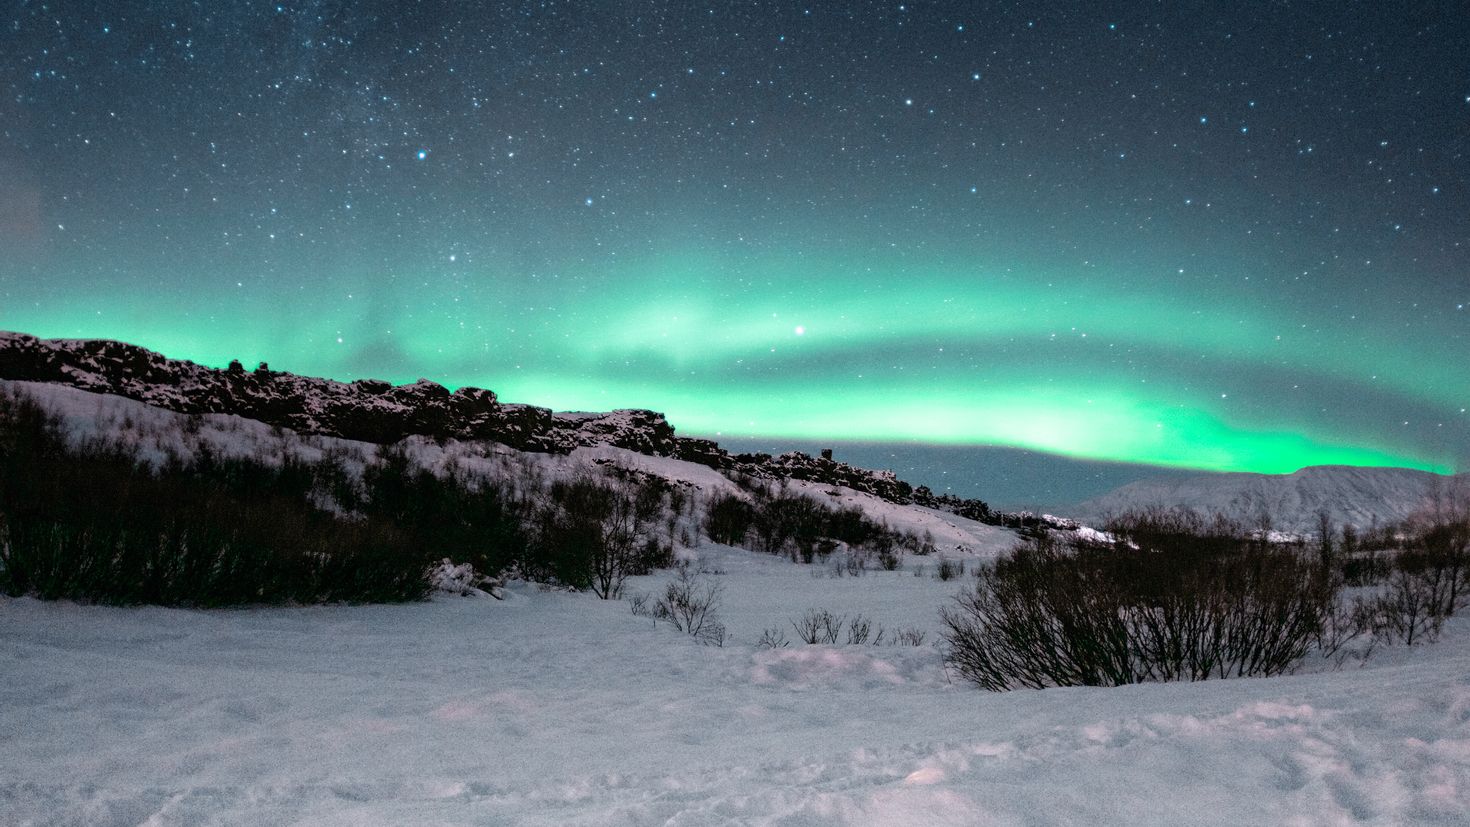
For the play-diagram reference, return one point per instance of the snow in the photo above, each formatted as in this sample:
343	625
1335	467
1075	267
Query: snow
463	581
557	708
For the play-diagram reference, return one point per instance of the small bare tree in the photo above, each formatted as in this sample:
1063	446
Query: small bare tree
772	638
818	626
691	604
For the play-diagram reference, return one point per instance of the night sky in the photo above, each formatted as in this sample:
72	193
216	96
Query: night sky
1215	236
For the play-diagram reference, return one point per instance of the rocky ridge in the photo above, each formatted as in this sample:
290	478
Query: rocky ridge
375	411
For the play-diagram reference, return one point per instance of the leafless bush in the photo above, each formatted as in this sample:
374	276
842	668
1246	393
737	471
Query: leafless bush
859	629
638	605
1412	608
1048	614
949	569
818	626
772	638
690	604
1428	580
1348	623
908	637
713	634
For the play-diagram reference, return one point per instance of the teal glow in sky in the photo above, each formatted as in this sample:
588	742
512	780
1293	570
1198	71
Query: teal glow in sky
1184	240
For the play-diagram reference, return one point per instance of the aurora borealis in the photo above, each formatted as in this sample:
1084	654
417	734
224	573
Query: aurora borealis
1206	237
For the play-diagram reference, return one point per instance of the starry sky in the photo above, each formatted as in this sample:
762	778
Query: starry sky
1209	236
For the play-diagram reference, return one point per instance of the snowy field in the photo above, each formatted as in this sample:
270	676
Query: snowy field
554	708
561	709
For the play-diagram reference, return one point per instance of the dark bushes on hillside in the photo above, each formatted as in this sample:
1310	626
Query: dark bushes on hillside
776	520
728	519
467	520
590	535
89	523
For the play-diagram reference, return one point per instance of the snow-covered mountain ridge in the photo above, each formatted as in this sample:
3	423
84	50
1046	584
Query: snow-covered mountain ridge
370	410
1349	495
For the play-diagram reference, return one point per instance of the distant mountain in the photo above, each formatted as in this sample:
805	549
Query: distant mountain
1350	495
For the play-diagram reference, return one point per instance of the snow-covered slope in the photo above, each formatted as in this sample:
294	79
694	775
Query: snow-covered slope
155	434
1350	495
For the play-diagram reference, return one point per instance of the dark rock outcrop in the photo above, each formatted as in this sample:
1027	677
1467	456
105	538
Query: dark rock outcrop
368	409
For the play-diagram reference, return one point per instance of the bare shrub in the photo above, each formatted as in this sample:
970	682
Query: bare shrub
859	629
1048	614
1429	579
949	569
713	634
588	536
691	604
772	638
1440	552
1347	623
818	626
1411	609
909	637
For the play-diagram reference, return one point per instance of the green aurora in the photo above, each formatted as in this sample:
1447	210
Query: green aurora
1175	236
903	353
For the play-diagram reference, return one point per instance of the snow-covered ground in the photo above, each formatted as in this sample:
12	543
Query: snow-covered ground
554	708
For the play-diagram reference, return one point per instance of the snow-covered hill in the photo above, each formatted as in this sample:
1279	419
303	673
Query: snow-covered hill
155	435
375	411
1291	502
